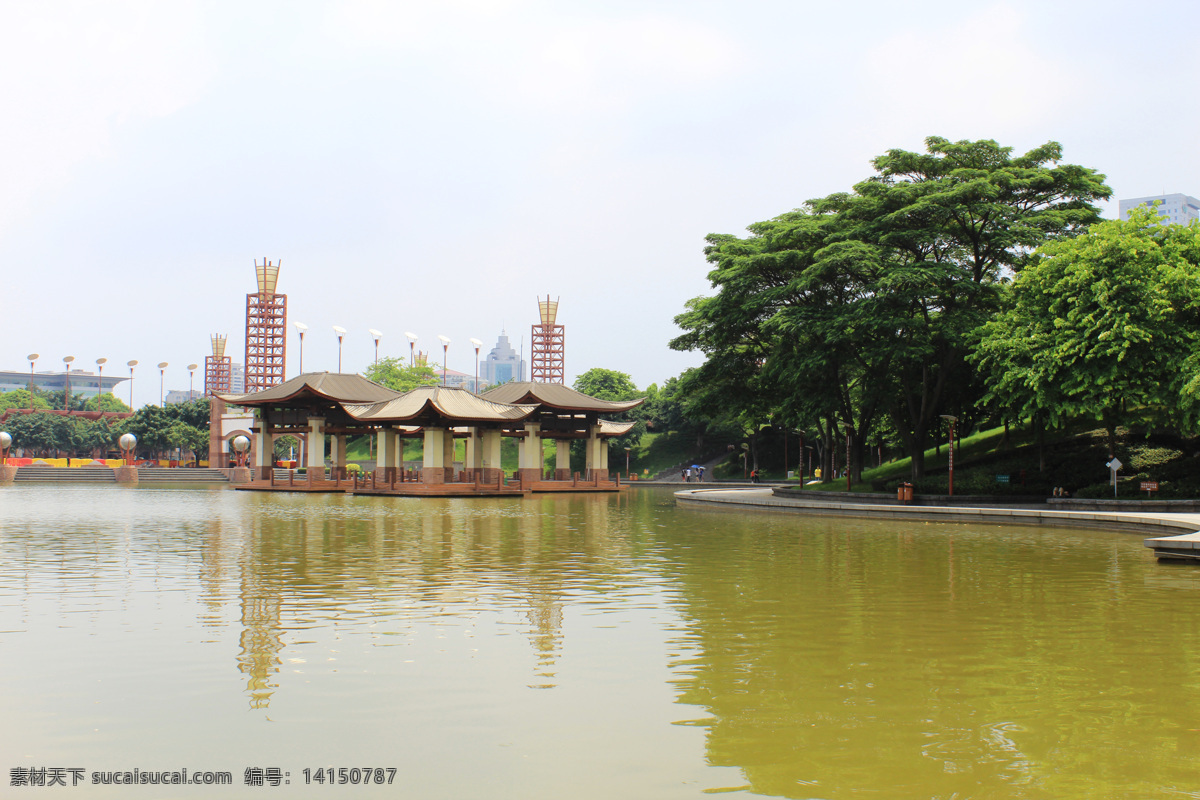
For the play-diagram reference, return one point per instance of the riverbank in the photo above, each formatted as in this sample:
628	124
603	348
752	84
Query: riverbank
1160	523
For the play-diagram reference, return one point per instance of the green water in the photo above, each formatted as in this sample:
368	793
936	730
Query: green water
585	647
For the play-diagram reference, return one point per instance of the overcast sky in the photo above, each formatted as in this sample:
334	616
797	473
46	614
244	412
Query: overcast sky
436	166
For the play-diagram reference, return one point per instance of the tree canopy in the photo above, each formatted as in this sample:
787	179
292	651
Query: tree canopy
395	374
866	303
1101	325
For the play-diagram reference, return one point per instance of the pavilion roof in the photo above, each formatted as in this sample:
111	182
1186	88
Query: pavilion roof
608	428
556	395
338	387
448	403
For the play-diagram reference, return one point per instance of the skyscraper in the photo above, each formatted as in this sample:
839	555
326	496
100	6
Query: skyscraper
503	364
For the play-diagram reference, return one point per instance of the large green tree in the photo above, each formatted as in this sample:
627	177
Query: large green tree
1102	325
868	301
606	384
395	374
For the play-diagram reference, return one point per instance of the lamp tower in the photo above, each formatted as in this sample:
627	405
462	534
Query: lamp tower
266	330
546	359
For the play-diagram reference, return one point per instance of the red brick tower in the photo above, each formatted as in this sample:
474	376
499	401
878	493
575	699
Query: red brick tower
547	359
266	331
217	368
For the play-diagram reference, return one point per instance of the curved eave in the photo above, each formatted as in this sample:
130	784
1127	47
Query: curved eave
558	397
439	405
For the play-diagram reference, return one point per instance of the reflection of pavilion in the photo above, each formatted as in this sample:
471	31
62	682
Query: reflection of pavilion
320	405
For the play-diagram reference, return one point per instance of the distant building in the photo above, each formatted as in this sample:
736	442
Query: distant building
460	379
502	365
237	378
1179	209
182	396
84	383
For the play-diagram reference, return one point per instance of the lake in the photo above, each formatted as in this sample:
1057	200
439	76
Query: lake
589	646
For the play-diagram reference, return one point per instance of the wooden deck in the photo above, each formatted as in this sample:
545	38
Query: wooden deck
367	486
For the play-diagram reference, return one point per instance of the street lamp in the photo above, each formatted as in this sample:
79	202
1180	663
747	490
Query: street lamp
162	368
192	381
445	350
301	327
100	362
5	443
478	344
131	365
951	420
67	391
412	343
341	332
378	335
32	358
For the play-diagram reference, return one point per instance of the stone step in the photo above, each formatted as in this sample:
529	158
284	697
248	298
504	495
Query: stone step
66	475
106	475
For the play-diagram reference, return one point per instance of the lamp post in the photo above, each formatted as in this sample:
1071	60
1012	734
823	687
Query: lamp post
67	391
341	332
301	327
951	420
627	449
445	354
100	362
377	335
162	369
5	443
131	365
478	344
192	381
32	358
412	343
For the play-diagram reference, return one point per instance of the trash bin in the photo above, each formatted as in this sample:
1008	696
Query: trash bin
905	493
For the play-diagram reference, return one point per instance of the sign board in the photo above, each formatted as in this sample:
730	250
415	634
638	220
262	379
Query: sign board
1002	479
1149	486
1115	464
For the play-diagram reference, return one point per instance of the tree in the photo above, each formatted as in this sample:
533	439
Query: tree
1099	327
19	398
105	402
867	302
606	384
395	374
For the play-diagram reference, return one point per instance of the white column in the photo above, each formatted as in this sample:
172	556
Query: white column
433	455
264	450
385	449
315	449
490	455
592	449
531	453
339	453
448	454
562	456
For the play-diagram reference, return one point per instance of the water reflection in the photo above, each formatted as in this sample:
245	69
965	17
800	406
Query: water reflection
682	650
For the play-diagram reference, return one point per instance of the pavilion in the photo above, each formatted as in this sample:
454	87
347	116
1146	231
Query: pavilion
318	405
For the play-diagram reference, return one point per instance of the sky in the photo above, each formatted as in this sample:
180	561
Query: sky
436	167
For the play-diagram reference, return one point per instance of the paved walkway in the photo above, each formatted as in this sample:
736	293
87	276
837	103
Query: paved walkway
1159	524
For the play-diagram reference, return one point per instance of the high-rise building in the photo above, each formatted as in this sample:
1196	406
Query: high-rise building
503	364
1178	209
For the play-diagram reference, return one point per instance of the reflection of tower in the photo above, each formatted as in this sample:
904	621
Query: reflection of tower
266	330
546	359
261	641
217	368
